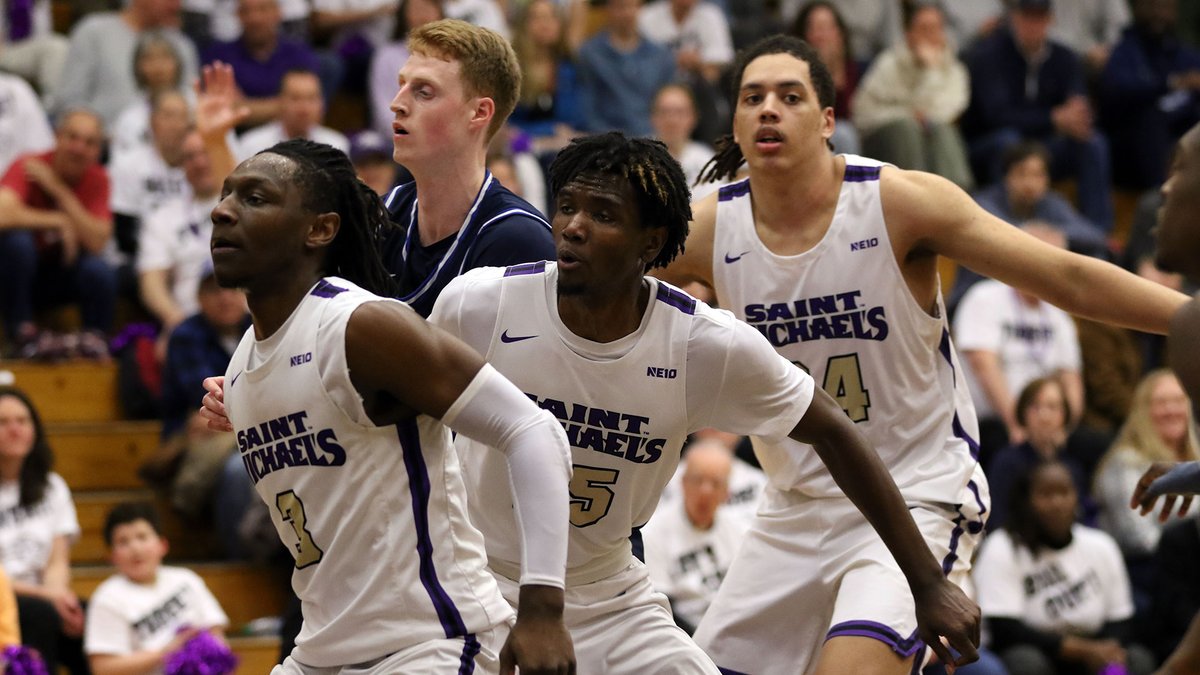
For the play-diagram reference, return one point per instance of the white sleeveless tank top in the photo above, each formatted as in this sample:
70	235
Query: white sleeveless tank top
385	556
843	311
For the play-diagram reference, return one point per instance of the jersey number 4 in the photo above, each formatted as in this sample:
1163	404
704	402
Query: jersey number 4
591	495
844	382
291	510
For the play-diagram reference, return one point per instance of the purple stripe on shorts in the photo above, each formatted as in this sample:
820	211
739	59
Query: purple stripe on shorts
525	269
729	193
952	555
905	647
418	486
324	289
471	649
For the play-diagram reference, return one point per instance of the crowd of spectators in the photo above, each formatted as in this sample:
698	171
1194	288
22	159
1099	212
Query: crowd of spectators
1040	108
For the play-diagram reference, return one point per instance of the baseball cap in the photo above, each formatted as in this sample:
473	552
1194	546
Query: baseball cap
367	144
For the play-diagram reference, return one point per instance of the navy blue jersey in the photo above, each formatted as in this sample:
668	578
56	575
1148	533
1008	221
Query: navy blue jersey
501	230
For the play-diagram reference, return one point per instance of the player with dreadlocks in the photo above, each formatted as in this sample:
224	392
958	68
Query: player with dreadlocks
630	366
834	259
335	395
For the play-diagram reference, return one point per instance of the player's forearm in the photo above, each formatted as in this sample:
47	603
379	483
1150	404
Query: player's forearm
863	477
1104	292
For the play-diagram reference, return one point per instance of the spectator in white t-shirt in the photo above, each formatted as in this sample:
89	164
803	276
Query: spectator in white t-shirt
24	127
1009	338
301	111
746	482
1055	593
690	545
156	67
145	176
173	245
673	115
146	612
696	31
37	526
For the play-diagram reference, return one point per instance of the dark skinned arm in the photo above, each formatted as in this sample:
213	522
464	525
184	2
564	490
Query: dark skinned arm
403	366
942	608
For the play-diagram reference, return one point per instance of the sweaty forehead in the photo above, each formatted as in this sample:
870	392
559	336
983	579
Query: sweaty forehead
267	166
600	184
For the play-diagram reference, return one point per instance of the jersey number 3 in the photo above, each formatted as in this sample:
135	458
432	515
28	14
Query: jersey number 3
291	510
844	382
591	495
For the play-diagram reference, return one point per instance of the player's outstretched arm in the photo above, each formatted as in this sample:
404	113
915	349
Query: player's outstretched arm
943	610
401	365
927	213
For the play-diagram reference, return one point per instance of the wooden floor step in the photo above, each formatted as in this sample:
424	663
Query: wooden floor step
188	541
256	655
246	591
72	391
102	455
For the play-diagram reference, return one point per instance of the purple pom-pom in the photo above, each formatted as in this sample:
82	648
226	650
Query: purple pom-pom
21	660
202	655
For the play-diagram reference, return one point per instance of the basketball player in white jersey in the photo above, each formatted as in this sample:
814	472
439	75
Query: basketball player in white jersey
834	259
336	394
630	366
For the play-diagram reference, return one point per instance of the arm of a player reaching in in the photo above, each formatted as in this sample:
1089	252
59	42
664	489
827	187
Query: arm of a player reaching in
1180	482
401	364
943	610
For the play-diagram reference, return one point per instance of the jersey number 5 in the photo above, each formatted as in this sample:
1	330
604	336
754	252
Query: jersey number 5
843	381
590	495
291	509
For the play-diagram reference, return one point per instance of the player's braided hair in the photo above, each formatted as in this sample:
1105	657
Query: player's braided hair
659	184
327	180
728	158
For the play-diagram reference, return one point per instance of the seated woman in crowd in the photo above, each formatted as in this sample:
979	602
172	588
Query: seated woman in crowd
820	25
1055	593
1159	429
1042	413
156	67
37	527
548	109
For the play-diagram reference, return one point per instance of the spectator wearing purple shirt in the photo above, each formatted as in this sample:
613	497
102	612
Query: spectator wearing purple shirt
261	57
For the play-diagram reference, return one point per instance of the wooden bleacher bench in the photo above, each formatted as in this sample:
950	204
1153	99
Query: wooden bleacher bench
189	541
246	591
73	391
102	455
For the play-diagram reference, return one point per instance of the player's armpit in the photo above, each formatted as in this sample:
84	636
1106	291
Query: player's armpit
402	365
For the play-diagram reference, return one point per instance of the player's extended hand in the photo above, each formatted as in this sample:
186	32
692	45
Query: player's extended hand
539	642
944	611
213	408
1149	489
218	101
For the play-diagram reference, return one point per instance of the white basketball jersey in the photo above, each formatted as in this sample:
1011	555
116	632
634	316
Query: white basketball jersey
627	406
843	311
375	516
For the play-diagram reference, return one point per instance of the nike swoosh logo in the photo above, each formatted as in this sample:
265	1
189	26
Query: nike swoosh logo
235	377
734	258
507	339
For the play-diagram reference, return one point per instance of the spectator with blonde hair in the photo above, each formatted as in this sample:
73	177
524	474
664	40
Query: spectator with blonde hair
1159	429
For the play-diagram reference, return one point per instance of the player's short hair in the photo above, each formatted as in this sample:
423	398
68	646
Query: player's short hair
327	180
131	512
659	184
488	63
728	157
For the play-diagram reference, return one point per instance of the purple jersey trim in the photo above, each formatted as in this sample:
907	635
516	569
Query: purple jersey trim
418	486
526	269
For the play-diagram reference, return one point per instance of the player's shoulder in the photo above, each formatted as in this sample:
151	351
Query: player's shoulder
501	207
481	279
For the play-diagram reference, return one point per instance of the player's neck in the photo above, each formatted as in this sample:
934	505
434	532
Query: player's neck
813	183
445	196
605	317
272	302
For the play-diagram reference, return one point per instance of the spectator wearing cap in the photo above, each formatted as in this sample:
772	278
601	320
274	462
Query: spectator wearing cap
301	111
260	57
1025	86
371	154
